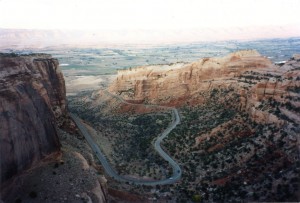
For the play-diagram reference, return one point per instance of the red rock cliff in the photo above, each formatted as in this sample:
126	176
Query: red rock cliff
32	96
168	83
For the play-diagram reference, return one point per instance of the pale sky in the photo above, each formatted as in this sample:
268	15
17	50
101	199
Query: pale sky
146	14
158	15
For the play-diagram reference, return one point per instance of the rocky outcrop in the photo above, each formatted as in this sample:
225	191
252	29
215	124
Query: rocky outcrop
169	83
32	98
278	86
259	84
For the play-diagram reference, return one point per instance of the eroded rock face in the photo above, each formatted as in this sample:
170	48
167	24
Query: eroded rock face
32	96
169	83
280	84
253	77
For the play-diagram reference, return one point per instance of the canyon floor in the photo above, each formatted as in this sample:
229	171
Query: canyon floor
217	148
238	139
72	175
227	153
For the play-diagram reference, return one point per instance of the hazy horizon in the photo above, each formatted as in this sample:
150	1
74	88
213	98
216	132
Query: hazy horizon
39	39
91	22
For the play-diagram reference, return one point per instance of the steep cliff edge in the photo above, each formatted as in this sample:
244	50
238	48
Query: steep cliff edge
42	157
32	96
157	84
252	77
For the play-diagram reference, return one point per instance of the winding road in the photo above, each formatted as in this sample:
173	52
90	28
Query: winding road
111	172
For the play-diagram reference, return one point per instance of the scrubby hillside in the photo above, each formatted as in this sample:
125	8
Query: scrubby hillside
239	134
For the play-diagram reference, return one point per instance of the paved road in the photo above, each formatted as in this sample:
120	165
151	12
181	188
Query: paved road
111	172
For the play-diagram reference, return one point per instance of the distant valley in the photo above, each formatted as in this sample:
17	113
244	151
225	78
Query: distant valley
237	139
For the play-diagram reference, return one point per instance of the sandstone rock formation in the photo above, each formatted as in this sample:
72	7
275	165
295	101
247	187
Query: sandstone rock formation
170	84
239	123
253	77
32	97
280	85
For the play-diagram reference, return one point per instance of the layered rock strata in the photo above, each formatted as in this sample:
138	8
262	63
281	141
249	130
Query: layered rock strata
253	78
173	83
32	98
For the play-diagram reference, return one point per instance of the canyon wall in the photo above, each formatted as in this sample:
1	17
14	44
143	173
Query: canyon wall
169	84
32	98
281	87
253	78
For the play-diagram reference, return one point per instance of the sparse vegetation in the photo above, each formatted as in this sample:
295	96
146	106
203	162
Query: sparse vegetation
131	131
228	151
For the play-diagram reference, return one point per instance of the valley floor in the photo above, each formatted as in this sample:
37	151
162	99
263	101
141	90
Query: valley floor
225	154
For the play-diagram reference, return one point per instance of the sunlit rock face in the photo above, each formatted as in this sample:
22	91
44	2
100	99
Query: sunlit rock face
32	97
253	77
170	83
